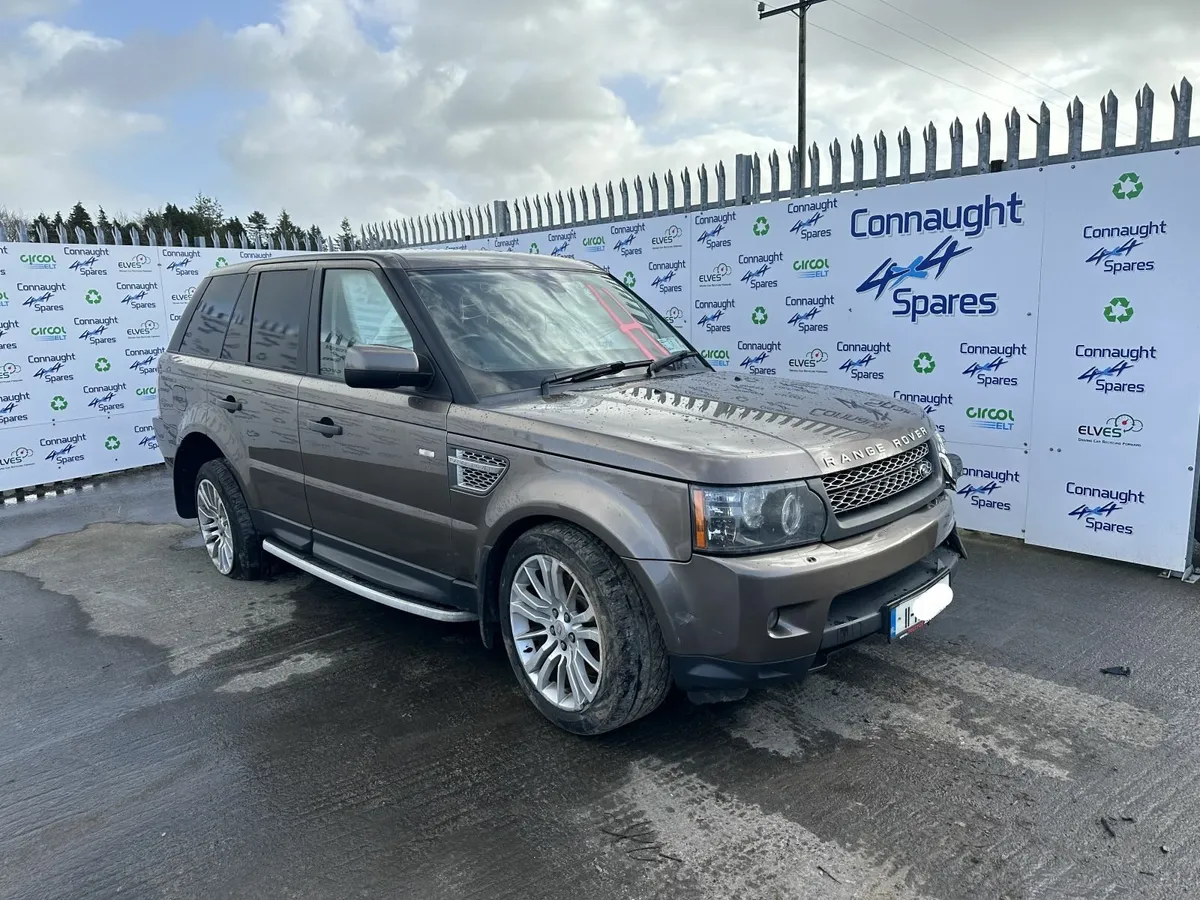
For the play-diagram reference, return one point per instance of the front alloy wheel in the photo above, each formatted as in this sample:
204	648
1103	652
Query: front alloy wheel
556	633
581	636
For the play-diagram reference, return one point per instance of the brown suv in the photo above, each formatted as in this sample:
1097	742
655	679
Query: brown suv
522	441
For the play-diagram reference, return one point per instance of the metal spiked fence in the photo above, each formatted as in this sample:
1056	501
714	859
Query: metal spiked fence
670	195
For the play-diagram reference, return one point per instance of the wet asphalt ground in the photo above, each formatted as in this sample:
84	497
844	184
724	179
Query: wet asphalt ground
167	733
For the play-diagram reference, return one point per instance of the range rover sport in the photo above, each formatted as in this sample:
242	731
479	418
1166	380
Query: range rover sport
523	442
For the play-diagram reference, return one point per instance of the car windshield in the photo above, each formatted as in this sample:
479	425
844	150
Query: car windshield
510	328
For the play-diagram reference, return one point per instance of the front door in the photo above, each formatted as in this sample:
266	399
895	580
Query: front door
374	461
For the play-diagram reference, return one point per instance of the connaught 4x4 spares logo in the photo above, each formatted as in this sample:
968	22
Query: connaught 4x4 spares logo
915	305
1104	508
985	488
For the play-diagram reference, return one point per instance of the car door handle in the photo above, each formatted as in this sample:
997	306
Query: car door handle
230	404
324	426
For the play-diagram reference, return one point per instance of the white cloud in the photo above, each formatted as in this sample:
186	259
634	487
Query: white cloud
379	108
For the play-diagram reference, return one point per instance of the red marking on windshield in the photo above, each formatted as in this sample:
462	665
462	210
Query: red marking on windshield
634	329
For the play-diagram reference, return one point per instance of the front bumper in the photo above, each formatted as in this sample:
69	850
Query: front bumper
742	622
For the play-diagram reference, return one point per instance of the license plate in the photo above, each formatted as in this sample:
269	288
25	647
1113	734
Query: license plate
914	612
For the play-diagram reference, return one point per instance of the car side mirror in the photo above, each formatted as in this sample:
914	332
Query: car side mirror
384	368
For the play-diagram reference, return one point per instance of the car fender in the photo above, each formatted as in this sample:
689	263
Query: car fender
213	423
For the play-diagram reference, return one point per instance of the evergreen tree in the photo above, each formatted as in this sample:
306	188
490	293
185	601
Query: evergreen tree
79	218
346	238
257	225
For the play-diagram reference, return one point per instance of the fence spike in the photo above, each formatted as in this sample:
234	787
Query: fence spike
491	222
859	156
702	177
814	168
537	208
755	179
835	166
796	187
467	232
669	181
23	233
610	197
80	237
574	206
880	159
447	227
62	233
654	207
403	230
43	233
1012	128
1042	152
623	187
4	232
774	166
983	131
584	205
904	140
117	237
1183	113
930	136
722	183
562	209
685	186
1075	130
596	202
1145	116
956	147
1108	124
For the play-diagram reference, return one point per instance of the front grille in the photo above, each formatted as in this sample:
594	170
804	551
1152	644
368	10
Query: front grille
476	473
877	481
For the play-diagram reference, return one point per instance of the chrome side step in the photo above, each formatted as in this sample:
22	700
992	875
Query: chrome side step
362	589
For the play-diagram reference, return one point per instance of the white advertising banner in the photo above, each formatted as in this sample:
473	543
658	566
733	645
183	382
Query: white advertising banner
1116	416
1041	317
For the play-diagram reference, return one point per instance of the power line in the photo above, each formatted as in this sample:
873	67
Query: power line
910	65
970	47
905	63
957	59
994	59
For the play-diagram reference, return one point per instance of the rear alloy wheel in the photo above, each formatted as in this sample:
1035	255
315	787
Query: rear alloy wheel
580	636
232	543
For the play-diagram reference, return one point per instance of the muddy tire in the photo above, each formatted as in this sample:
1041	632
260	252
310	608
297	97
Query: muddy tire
581	638
231	541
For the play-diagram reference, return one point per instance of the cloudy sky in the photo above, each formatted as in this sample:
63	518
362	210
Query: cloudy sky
380	108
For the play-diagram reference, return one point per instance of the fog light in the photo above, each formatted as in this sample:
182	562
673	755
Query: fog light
772	619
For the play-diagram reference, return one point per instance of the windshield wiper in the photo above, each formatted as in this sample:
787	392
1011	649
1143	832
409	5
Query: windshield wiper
660	364
589	372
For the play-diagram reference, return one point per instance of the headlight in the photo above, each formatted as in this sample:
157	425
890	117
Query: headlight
939	441
758	518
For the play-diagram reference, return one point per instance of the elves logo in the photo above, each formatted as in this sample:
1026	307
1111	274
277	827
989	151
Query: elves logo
718	277
139	263
670	239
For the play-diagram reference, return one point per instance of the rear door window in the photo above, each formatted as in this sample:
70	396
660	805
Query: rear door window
280	316
206	331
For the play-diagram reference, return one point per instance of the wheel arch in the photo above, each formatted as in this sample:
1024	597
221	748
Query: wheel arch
505	534
195	449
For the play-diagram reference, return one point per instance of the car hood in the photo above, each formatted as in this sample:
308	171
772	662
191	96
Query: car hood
709	427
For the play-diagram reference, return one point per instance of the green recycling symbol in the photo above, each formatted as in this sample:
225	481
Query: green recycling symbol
103	365
220	263
630	279
761	226
1118	310
1128	186
112	443
759	316
59	403
924	363
533	247
92	296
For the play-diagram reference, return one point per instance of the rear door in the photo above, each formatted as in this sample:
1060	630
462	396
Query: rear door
374	460
254	385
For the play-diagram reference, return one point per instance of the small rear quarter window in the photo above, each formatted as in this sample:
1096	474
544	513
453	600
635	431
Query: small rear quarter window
206	331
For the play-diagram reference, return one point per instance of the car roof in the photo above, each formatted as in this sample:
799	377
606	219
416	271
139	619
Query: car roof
422	260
